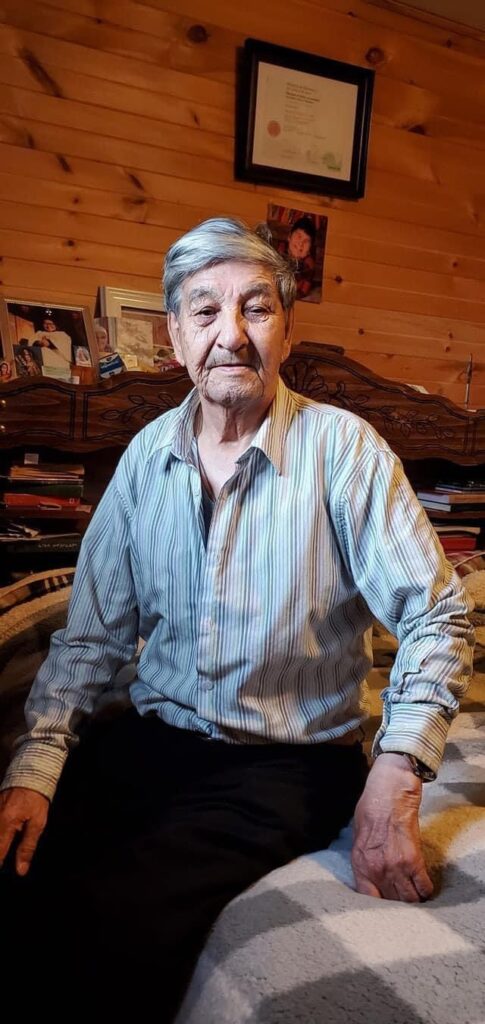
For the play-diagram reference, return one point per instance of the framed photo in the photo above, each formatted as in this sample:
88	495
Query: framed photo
300	237
302	121
48	339
135	326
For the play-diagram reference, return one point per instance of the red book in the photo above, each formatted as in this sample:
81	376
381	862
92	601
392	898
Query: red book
451	543
16	500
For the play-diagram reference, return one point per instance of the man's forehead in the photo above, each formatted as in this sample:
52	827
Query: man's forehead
229	279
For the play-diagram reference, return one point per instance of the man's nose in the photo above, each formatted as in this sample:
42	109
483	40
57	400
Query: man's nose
232	334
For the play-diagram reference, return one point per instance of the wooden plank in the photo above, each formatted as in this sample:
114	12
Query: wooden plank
166	45
27	72
99	147
40	248
87	117
341	270
417	369
385	342
66	298
410	302
48	217
109	67
52	277
341	37
439	331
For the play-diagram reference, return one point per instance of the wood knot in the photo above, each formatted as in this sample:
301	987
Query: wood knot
70	242
375	56
417	129
361	330
197	34
338	278
449	43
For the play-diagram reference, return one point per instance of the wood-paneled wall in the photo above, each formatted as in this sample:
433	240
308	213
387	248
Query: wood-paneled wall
116	134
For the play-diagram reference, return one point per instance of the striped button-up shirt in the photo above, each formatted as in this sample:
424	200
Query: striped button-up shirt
261	631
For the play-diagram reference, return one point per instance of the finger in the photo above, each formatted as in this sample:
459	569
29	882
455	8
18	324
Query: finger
423	884
6	841
27	847
404	891
366	887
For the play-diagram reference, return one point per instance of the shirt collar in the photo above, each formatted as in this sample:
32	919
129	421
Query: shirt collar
270	438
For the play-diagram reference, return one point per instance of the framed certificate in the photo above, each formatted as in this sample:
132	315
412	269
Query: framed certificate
302	121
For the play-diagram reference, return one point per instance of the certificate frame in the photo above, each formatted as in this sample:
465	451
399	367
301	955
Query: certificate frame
285	150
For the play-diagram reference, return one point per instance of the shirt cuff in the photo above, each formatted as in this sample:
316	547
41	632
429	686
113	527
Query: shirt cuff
419	729
36	766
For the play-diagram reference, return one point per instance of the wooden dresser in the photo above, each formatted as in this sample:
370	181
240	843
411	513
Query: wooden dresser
99	420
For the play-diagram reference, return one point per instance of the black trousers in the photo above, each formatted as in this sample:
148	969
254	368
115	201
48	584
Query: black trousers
153	830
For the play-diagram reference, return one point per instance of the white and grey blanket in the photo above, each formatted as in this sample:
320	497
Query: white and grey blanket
303	946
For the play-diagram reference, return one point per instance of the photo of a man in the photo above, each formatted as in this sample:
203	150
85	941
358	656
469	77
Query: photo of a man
48	340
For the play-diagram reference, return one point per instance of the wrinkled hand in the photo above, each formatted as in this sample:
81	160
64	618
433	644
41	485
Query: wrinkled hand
26	811
387	857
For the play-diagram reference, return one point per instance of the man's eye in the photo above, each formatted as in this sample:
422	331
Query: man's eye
206	311
256	310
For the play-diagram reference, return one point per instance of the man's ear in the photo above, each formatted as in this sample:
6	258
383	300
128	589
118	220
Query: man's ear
174	332
290	321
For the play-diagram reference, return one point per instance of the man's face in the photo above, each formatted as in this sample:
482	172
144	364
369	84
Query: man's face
299	244
49	325
231	333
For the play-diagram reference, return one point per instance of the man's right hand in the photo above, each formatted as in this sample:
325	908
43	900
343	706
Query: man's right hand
26	811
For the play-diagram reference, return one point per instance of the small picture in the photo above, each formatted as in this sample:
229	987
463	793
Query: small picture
5	369
139	337
6	358
300	237
46	339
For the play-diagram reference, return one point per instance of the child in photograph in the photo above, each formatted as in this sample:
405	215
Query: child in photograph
5	371
27	360
298	248
56	345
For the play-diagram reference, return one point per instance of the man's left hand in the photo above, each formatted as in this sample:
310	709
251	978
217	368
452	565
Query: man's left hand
387	856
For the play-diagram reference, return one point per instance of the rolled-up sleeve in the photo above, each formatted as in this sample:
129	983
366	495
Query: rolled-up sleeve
100	636
399	567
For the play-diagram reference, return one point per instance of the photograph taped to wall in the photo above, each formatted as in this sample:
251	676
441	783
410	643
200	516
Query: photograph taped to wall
300	237
48	339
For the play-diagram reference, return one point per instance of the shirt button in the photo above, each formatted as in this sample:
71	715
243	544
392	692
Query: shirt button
207	685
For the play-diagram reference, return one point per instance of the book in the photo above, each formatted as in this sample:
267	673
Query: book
451	543
439	528
64	542
445	506
17	499
46	470
453	497
63	489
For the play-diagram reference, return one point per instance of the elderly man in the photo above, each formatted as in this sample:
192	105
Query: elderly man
248	536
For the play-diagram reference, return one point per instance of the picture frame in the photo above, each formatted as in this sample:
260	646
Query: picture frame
302	121
48	339
136	324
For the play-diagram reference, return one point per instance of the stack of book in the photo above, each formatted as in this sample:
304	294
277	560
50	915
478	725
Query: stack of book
37	530
454	498
44	486
456	501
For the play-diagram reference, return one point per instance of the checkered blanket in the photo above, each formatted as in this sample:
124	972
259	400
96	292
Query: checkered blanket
303	946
